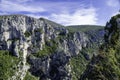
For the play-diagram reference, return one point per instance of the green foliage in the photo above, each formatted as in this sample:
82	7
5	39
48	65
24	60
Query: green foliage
70	35
83	28
30	77
102	67
8	64
113	31
79	62
27	34
117	55
60	37
78	65
13	40
44	52
106	65
1	17
114	57
49	48
53	24
38	30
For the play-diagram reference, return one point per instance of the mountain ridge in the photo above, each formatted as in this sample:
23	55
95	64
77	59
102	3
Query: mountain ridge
84	28
44	49
42	18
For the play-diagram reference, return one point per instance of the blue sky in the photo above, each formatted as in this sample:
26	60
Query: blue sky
66	12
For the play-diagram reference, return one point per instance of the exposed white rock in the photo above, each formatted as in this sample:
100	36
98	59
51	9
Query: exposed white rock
25	35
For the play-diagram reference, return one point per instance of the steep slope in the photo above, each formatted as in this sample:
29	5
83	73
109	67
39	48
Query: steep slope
106	65
44	49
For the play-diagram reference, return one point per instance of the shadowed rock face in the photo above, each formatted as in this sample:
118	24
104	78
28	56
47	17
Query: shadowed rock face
47	46
106	65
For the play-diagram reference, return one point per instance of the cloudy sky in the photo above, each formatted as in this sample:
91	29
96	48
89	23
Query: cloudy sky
66	12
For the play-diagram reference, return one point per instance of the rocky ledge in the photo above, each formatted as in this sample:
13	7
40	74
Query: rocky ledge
44	49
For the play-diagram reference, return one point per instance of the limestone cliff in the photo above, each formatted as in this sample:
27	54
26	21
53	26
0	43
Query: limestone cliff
44	50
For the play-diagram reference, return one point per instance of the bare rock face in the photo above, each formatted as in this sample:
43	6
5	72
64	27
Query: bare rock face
45	45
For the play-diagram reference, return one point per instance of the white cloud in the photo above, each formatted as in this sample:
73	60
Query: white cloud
33	15
115	13
22	1
15	6
113	3
79	17
19	1
3	13
63	13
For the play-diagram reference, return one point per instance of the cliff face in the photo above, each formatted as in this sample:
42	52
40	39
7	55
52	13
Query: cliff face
43	49
106	65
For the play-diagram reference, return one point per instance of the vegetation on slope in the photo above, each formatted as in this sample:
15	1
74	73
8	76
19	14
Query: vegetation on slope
8	65
78	65
49	48
106	65
53	24
30	77
83	28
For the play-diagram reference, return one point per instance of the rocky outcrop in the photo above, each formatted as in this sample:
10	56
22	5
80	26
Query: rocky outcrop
45	45
106	65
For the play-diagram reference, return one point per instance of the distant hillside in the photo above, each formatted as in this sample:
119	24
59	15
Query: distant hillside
84	28
53	24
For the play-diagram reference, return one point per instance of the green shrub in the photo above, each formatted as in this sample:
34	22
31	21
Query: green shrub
27	34
13	40
8	64
47	50
83	28
30	77
38	30
78	65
